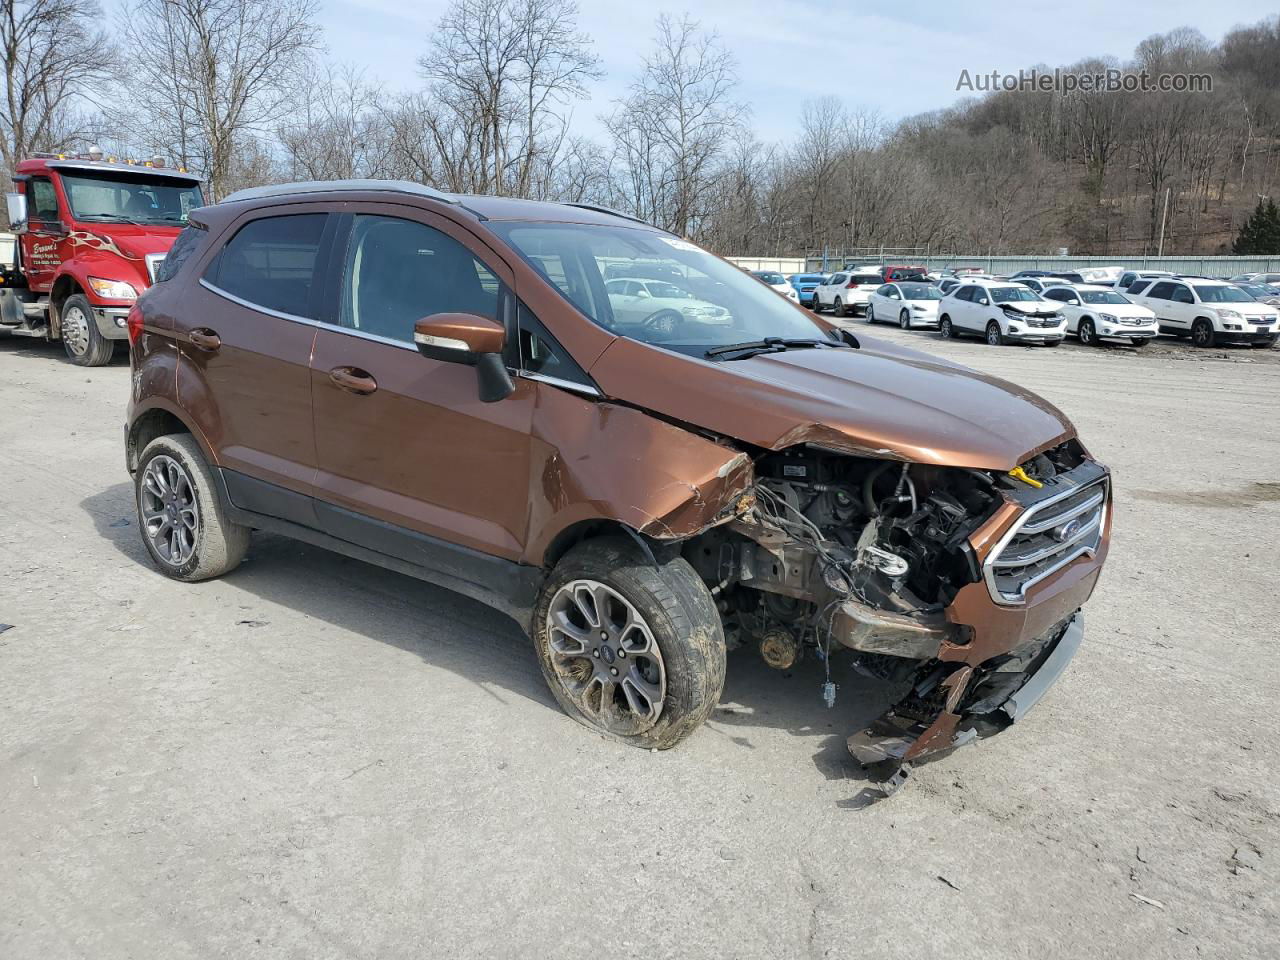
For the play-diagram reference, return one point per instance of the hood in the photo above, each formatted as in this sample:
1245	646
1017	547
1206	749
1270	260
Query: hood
879	400
129	241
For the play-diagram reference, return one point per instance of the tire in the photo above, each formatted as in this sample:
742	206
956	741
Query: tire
84	345
1087	333
904	320
678	612
945	330
870	315
1202	334
994	337
216	544
838	308
1140	342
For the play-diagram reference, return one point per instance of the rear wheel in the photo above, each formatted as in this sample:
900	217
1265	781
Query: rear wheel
1202	334
838	308
994	337
633	652
85	346
945	330
1088	335
181	519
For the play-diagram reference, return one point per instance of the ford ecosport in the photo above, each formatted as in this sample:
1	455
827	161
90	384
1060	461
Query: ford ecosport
450	386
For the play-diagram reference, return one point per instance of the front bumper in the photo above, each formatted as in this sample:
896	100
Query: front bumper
1236	336
1044	335
111	322
951	705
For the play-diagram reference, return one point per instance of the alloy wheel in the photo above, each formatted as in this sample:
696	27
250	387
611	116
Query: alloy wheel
605	657
993	335
170	512
75	331
904	320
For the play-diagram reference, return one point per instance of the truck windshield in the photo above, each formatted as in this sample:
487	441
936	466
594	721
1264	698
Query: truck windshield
136	198
700	302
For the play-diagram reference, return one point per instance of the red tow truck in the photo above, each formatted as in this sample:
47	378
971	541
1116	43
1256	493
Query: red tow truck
91	234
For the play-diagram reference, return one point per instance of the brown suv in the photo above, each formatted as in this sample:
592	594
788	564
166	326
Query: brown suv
639	452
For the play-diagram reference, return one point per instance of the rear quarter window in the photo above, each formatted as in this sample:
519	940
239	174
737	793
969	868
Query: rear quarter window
189	241
271	263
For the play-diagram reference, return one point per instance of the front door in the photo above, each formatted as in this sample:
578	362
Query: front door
45	235
408	454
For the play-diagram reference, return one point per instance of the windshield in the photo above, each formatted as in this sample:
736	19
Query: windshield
719	304
1257	290
136	198
1102	296
919	291
772	278
1222	295
1009	294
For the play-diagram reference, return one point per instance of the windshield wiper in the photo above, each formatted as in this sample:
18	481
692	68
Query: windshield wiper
114	217
751	348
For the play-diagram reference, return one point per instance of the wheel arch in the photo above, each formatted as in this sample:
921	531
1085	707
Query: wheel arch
157	420
64	285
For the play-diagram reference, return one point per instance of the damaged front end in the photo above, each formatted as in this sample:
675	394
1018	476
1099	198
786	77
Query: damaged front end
960	586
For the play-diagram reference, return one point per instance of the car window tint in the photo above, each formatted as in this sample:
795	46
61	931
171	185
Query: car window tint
838	278
44	201
398	271
1062	295
188	242
1160	291
541	354
270	262
1182	295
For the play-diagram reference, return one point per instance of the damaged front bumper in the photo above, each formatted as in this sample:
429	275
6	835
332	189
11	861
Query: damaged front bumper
951	704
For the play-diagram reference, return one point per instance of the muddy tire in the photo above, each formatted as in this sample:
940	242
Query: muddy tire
84	345
633	652
180	516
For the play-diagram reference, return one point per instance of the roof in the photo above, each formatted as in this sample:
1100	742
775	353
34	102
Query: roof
36	164
484	207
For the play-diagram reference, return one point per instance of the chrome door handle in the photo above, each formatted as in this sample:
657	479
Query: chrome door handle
353	380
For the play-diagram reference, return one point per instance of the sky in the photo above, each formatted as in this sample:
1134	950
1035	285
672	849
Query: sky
899	62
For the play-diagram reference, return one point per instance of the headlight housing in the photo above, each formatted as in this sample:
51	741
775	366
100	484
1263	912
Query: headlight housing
1108	318
112	289
1228	314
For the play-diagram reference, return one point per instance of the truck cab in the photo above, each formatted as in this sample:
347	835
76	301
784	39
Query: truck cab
92	232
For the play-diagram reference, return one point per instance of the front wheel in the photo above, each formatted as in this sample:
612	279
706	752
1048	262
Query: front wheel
633	652
994	337
183	525
945	330
904	320
1202	334
870	314
1139	341
85	346
1088	335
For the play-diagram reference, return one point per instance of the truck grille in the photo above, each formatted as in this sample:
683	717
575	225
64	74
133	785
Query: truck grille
1050	535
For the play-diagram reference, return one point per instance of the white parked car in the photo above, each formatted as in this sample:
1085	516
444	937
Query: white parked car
1000	312
1130	277
1262	292
1040	284
659	304
1095	313
845	293
1257	278
947	284
778	283
906	303
1211	311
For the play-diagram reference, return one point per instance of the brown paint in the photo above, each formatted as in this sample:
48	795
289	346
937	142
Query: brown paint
480	334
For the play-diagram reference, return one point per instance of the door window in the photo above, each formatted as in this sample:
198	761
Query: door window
44	201
540	354
1182	295
399	271
271	263
1161	291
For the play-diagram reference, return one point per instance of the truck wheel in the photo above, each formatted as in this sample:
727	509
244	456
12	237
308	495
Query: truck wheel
633	652
181	519
85	346
1202	334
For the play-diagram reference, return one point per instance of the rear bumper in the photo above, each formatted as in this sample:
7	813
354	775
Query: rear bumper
973	703
111	322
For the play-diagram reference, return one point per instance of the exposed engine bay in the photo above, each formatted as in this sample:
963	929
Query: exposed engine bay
834	550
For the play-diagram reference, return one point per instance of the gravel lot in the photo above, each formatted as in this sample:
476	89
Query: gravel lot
315	758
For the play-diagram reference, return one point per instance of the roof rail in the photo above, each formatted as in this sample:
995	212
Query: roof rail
609	210
326	186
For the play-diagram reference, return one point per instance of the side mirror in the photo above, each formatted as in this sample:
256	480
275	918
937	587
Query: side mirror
17	203
1074	302
983	301
469	339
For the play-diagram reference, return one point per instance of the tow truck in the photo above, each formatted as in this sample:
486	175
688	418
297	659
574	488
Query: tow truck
92	232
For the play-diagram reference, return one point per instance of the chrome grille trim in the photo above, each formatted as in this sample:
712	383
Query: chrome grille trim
1024	547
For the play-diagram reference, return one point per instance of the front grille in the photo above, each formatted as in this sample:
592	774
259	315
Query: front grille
1041	322
1050	535
1134	321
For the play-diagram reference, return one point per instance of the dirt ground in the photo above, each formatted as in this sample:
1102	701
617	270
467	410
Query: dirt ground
315	758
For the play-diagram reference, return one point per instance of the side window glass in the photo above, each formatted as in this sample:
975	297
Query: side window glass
399	271
271	262
1161	291
539	352
44	201
188	242
1182	295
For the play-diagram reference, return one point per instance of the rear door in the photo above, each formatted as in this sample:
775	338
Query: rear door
1157	297
411	462
245	339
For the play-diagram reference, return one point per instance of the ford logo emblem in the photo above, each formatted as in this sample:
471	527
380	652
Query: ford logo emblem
1066	531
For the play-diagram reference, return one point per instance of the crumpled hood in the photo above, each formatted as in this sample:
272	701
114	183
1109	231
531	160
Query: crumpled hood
1030	307
879	401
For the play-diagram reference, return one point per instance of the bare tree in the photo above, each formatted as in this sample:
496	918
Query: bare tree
54	61
334	131
673	128
224	72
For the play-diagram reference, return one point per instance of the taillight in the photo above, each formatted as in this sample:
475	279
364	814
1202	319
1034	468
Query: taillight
851	284
133	323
